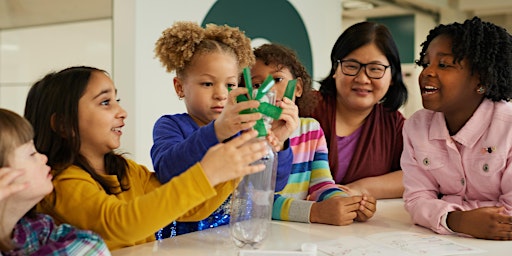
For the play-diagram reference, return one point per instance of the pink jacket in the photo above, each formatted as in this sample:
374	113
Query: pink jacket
469	170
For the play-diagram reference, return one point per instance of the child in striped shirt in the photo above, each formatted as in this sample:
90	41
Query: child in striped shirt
310	194
23	232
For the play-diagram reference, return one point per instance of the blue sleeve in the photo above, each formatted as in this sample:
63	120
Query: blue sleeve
177	145
284	166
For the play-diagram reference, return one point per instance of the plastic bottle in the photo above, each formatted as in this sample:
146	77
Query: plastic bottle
252	200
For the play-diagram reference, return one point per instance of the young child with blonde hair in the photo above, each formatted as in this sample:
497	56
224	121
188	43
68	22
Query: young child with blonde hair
22	230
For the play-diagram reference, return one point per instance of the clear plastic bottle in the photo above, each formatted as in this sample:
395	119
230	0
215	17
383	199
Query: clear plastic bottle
252	200
251	204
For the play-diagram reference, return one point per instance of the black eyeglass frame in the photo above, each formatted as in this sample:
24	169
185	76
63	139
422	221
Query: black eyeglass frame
363	65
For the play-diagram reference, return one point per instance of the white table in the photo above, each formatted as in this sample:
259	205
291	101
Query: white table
390	217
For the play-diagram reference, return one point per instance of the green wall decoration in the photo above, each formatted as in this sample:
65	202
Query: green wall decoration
402	29
276	21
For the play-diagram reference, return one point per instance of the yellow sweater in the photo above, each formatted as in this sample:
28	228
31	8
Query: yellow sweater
132	217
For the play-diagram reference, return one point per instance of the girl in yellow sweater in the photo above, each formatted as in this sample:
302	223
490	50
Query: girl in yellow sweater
78	124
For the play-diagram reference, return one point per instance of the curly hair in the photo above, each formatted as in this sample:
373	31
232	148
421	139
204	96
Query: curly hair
284	57
486	47
184	40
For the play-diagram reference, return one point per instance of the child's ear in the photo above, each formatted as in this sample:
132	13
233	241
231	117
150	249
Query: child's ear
298	87
56	125
178	87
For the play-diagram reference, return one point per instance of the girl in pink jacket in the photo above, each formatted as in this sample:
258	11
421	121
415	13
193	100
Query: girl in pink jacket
457	158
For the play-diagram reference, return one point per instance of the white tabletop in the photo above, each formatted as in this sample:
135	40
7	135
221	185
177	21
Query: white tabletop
289	236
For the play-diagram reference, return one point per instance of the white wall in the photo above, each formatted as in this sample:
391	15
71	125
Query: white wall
124	47
422	25
27	54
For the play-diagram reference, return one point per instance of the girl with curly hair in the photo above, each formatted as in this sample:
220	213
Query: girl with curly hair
208	62
97	188
458	150
310	194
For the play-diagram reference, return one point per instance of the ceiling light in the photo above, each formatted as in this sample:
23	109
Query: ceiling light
351	5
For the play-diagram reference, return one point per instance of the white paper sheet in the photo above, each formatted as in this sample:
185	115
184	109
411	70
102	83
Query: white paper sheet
395	244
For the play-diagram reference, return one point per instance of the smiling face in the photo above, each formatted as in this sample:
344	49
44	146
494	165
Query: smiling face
359	92
281	75
100	117
204	85
37	173
446	86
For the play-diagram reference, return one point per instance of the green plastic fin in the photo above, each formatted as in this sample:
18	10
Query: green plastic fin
247	79
249	111
270	110
265	87
290	89
260	127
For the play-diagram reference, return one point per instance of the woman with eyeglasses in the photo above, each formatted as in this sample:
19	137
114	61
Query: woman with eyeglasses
357	107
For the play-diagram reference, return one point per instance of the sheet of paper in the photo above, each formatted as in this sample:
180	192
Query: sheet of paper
352	246
395	244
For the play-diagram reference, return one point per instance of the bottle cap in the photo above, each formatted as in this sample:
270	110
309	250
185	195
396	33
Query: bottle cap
308	247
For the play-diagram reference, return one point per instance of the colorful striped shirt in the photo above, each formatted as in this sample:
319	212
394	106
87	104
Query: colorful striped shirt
310	179
40	236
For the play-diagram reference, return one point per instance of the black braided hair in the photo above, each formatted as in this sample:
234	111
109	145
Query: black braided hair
486	47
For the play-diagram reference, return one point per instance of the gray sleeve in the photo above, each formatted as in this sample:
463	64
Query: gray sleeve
300	210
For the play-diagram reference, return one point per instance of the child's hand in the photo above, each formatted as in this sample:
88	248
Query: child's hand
230	121
274	142
8	184
367	208
336	210
230	160
288	121
486	223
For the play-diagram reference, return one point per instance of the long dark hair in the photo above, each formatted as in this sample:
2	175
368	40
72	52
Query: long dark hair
359	35
52	109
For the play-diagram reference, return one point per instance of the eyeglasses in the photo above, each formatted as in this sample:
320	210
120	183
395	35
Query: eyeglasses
372	70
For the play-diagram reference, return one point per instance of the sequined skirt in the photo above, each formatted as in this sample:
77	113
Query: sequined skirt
218	218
